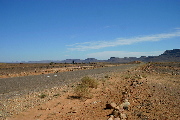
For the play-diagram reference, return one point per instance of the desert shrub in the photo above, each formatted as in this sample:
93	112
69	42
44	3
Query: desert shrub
106	76
144	76
90	82
55	95
51	63
103	80
127	76
82	91
42	96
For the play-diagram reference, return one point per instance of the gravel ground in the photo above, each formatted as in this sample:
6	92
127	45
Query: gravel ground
10	87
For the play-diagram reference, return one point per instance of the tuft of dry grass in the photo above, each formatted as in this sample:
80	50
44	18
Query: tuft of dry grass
90	82
83	90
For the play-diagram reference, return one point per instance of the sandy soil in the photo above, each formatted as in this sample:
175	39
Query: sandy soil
152	93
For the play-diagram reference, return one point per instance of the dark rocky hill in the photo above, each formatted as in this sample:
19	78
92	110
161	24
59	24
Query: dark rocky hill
167	56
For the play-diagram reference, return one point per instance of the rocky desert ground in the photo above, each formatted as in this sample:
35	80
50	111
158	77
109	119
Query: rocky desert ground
8	70
148	91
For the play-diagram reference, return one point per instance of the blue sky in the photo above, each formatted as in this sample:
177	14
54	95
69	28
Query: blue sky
64	29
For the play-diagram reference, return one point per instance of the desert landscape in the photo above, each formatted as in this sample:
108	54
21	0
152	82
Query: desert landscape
89	60
142	91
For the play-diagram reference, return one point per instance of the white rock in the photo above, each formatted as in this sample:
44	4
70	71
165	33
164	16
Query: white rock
125	104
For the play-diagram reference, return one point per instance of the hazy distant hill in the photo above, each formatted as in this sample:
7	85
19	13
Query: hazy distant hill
167	56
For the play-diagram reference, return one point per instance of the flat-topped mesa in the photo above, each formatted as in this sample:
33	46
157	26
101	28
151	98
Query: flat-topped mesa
174	52
88	60
167	56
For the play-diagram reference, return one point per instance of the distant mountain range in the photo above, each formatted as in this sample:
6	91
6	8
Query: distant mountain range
167	56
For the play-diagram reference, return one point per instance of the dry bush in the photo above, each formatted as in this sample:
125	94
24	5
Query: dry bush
83	90
42	95
90	82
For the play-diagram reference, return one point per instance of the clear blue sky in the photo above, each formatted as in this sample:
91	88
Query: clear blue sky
64	29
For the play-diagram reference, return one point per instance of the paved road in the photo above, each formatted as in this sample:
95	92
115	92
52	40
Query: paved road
21	85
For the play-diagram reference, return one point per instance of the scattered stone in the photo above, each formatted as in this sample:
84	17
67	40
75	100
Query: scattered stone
125	104
116	113
117	118
123	116
72	112
111	117
111	105
117	108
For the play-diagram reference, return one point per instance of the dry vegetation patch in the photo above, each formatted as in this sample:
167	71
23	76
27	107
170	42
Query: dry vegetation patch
83	90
